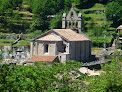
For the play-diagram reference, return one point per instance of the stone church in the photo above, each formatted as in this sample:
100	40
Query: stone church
58	45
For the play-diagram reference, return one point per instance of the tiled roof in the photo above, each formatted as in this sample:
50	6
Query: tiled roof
120	27
71	35
51	37
41	58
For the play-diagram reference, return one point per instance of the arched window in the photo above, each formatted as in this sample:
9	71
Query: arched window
72	15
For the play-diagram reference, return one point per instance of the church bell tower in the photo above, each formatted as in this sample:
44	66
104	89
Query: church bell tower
72	21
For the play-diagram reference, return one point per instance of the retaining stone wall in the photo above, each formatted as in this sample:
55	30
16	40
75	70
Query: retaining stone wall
12	36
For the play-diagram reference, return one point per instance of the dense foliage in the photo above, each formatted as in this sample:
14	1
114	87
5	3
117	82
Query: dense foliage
44	9
40	77
59	77
114	12
47	13
7	15
110	80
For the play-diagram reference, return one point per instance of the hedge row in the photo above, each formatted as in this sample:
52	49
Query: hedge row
100	43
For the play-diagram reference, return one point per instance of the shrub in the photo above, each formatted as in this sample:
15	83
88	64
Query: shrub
121	47
120	35
99	43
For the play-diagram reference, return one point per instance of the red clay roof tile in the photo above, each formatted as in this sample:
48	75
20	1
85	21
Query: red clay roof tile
41	58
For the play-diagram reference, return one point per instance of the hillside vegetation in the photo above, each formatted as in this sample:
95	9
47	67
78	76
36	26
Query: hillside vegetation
59	77
36	16
30	15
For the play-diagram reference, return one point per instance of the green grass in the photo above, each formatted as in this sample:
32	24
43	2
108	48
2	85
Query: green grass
23	43
7	42
108	38
93	15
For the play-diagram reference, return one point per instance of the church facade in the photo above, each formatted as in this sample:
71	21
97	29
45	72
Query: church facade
58	45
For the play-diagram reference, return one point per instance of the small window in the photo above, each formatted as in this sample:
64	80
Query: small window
46	48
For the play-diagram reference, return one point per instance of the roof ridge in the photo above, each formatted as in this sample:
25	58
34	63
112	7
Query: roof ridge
66	34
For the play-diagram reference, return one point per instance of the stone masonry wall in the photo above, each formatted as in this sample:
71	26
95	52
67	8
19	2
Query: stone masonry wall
12	36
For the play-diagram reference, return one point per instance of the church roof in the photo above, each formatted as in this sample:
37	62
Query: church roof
67	34
50	37
41	58
71	35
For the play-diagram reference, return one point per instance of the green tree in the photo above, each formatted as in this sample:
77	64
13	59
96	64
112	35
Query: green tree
59	5
113	12
67	4
55	23
83	3
44	9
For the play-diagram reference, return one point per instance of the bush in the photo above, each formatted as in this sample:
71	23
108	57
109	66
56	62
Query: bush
121	47
120	35
100	42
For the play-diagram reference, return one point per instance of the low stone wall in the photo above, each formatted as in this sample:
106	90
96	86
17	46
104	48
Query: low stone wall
12	36
95	11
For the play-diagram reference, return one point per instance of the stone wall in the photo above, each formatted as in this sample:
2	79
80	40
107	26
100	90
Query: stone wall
75	50
12	36
80	51
37	48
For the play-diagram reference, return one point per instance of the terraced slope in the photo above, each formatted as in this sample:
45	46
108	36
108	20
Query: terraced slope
20	20
95	14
